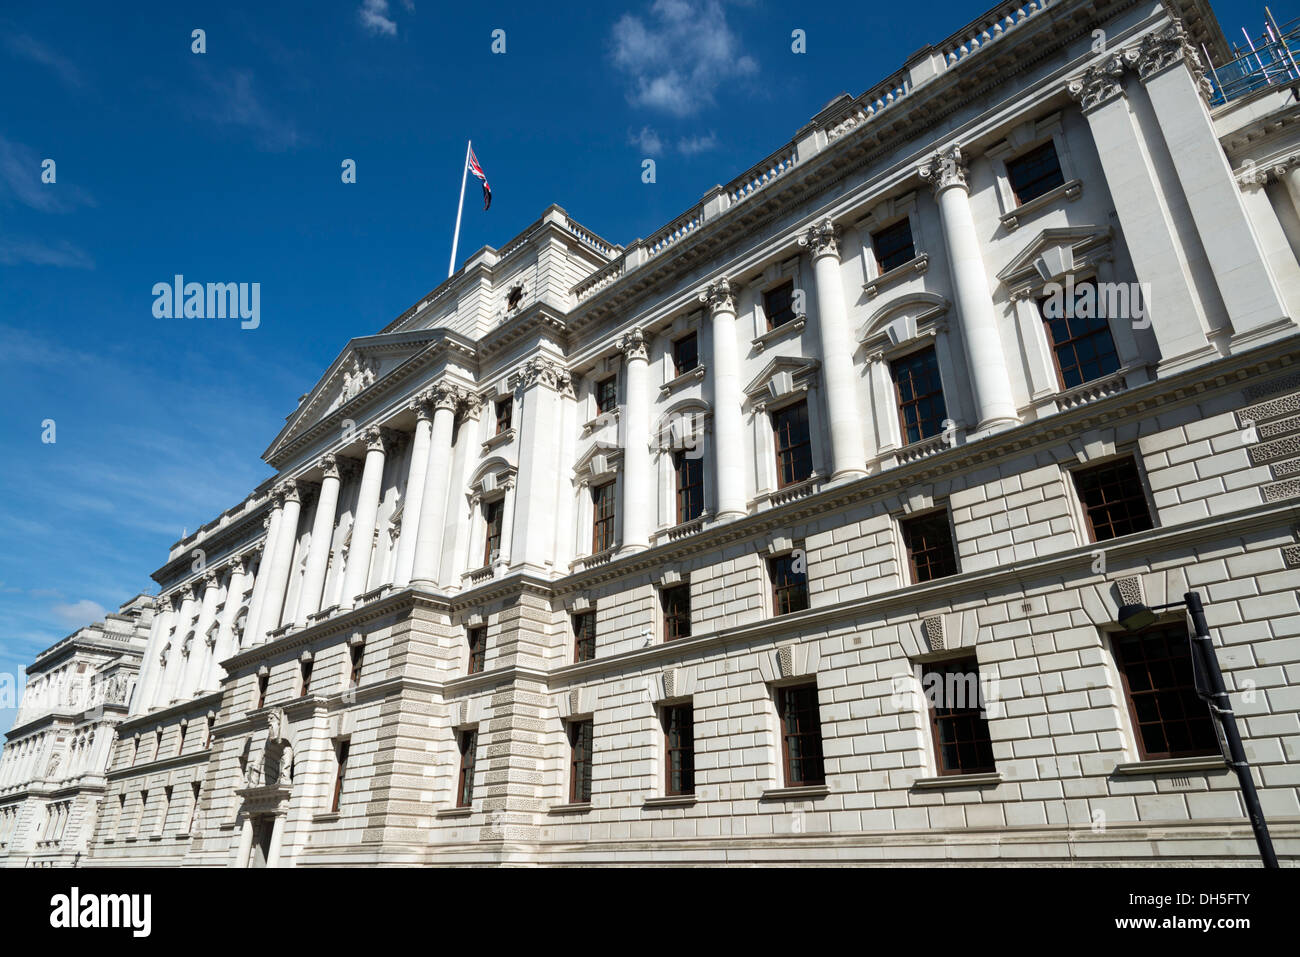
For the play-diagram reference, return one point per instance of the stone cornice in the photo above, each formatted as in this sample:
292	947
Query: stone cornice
141	722
237	537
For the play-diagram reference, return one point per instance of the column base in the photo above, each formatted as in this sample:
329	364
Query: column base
727	515
847	475
999	424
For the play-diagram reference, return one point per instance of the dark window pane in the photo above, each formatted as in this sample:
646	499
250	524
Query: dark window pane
580	739
505	410
677	612
602	532
1082	345
789	582
492	517
929	546
477	649
690	486
893	245
1034	173
961	732
793	444
584	636
679	740
686	353
1113	500
1170	720
607	395
921	408
801	735
778	305
465	782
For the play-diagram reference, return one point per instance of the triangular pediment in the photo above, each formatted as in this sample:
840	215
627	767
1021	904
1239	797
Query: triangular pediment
779	373
1054	253
361	371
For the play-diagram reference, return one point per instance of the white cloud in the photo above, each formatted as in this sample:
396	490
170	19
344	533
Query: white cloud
648	140
690	145
16	252
20	177
235	101
21	45
78	613
679	55
376	18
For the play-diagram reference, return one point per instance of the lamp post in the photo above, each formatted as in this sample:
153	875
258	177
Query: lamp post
1137	617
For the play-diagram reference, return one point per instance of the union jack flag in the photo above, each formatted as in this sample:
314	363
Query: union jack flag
478	171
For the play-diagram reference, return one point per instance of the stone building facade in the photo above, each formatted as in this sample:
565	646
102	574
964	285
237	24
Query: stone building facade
796	532
54	759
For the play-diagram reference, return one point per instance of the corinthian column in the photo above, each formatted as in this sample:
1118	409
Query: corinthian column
198	649
322	536
175	661
147	682
262	584
946	173
280	562
638	507
847	456
357	572
433	500
415	478
236	585
727	399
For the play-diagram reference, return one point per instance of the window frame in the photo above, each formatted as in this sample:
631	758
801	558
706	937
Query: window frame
305	670
905	222
940	516
766	299
605	394
579	637
476	644
688	493
1138	480
975	715
675	617
494	520
503	413
791	452
580	730
604	514
1054	348
676	353
779	588
467	745
686	771
357	657
1174	632
342	751
1023	156
902	405
781	696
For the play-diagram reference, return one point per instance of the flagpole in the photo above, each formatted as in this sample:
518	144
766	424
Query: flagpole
455	239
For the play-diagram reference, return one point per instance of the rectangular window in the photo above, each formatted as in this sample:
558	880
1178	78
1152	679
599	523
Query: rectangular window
135	751
679	749
504	409
686	353
1113	499
1170	720
1082	346
492	519
580	735
793	444
306	668
929	546
921	409
340	774
144	807
602	526
677	612
690	486
961	732
207	732
893	245
180	744
477	649
584	636
194	807
465	781
165	809
358	658
607	395
157	745
262	682
789	574
801	735
778	305
1034	173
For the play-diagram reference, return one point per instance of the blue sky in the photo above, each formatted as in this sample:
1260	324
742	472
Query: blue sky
225	166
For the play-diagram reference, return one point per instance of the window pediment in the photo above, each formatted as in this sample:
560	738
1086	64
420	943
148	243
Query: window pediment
1053	254
781	378
902	320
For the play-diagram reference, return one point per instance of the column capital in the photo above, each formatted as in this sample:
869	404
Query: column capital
237	565
329	464
472	404
1101	82
290	491
720	296
634	345
445	395
540	370
422	405
822	238
946	168
209	578
1162	49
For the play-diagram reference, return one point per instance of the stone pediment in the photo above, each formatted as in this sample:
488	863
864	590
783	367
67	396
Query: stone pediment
779	377
1053	253
359	371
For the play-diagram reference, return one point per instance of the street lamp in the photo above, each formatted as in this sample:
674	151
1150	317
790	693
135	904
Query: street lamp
1205	671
